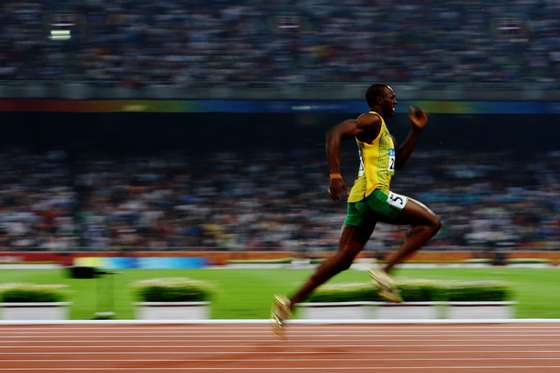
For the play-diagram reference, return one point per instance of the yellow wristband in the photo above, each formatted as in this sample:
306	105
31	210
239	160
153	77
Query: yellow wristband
335	175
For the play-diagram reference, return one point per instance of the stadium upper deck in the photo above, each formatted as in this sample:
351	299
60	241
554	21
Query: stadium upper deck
132	43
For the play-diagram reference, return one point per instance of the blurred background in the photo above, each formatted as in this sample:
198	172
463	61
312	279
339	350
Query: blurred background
188	126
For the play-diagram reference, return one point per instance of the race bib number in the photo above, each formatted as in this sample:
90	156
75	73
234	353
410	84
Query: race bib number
362	168
397	200
391	164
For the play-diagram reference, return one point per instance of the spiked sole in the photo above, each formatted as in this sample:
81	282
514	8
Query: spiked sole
279	314
387	289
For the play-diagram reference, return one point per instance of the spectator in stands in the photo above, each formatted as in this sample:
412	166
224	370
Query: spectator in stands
133	43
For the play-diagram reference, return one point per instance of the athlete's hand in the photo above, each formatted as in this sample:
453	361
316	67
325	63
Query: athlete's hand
337	189
418	118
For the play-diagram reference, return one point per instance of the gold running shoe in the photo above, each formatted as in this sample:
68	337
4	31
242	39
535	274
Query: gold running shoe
387	287
280	313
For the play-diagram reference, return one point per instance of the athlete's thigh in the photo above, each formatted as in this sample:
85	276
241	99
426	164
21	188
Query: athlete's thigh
416	213
356	236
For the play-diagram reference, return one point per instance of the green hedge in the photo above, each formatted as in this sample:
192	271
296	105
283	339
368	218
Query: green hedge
509	261
477	291
30	293
415	291
173	289
316	260
528	261
477	261
261	261
421	290
345	292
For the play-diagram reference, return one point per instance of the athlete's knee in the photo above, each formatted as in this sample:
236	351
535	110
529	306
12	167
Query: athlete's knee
343	263
346	259
436	223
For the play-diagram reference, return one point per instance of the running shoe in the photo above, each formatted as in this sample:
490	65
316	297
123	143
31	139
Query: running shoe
387	288
280	312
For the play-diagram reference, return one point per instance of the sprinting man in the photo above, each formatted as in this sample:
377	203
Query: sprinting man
370	199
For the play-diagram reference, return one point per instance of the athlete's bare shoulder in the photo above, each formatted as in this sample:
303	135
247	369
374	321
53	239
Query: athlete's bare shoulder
365	127
370	120
369	124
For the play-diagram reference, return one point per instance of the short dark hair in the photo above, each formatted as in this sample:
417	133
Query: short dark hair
374	91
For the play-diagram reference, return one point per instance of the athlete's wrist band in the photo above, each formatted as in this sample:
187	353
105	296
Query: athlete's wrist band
335	175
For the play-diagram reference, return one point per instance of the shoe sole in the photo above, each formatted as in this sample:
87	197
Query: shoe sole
279	314
386	291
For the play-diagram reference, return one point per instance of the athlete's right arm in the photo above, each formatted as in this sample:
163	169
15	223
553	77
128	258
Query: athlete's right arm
366	125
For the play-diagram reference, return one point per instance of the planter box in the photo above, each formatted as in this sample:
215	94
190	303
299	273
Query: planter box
173	310
35	311
337	310
480	310
408	310
370	310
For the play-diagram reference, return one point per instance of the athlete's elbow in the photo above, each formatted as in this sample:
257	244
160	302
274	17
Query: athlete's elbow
332	133
333	139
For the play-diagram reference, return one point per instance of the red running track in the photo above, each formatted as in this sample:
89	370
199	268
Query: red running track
216	348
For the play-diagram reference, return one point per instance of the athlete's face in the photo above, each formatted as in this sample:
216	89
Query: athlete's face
389	102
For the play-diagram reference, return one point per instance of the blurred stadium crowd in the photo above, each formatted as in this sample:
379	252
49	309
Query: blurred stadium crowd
246	199
125	42
264	200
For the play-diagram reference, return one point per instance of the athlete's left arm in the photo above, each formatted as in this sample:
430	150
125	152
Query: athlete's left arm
418	120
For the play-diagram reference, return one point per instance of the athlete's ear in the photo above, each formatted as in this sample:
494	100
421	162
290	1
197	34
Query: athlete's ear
379	100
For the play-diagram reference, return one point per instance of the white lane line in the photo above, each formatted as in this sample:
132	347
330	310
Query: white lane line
291	322
272	339
458	325
288	341
285	338
295	333
273	360
198	353
193	327
288	332
354	323
283	345
322	369
291	335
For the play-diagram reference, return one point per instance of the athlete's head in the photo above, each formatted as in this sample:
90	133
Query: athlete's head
381	98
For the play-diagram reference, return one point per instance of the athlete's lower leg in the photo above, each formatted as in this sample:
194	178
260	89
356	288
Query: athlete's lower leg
425	225
415	239
352	241
333	265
